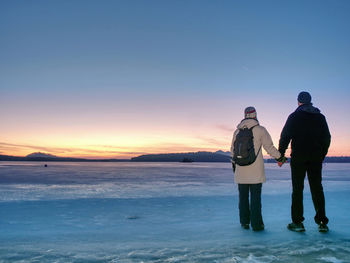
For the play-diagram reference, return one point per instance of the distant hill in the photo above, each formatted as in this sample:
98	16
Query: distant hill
218	156
40	155
337	159
228	153
11	158
45	157
179	157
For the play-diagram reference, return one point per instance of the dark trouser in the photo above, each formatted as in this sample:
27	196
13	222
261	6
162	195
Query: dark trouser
314	175
250	214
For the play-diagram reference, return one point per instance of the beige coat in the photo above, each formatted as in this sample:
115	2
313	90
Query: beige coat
254	173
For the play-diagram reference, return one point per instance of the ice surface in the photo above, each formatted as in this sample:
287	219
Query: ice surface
160	212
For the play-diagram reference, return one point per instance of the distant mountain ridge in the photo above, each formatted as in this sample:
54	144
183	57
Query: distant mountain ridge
45	157
228	153
201	156
41	155
218	156
179	157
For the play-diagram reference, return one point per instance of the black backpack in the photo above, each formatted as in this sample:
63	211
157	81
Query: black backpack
244	152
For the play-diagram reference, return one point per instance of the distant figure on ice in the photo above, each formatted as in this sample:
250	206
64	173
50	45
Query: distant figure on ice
248	166
307	128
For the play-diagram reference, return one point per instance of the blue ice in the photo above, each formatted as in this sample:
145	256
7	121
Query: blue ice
160	212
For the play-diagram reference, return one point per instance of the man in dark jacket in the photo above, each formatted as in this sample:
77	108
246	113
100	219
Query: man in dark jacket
308	132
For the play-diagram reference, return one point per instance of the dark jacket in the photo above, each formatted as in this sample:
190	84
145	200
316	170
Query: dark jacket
307	128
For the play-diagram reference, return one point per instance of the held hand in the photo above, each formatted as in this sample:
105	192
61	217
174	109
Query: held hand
281	161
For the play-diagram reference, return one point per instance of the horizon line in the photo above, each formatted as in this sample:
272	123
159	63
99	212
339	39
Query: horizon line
129	158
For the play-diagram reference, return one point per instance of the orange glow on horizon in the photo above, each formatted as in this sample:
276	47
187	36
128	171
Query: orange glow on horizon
122	147
98	144
101	150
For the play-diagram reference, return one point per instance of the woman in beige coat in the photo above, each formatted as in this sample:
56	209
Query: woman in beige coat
250	178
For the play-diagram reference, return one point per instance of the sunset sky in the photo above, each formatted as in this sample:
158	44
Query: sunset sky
116	79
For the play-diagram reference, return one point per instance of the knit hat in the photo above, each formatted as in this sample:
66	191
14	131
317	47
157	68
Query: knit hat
250	112
304	97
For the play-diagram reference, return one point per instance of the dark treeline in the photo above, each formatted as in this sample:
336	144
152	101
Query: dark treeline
180	157
166	157
56	159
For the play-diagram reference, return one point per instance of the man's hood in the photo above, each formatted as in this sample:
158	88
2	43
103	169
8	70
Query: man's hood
247	123
308	108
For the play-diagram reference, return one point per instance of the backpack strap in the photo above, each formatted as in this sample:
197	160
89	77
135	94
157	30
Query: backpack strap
260	145
258	152
253	127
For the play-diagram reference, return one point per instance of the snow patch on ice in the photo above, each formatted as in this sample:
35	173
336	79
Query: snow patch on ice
331	259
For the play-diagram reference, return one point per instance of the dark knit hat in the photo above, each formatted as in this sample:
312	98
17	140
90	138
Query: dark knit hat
250	112
304	97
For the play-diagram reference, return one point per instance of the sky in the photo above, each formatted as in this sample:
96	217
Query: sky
117	79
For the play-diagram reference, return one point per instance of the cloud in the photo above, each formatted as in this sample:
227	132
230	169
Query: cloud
225	128
60	150
21	147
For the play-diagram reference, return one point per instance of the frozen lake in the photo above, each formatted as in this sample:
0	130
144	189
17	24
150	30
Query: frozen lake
160	212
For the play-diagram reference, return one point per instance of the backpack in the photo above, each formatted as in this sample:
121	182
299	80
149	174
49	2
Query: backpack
244	152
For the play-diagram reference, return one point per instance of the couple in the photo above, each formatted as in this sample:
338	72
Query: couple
308	132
